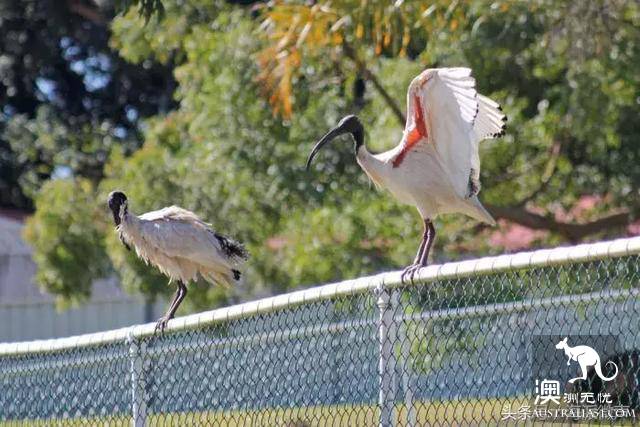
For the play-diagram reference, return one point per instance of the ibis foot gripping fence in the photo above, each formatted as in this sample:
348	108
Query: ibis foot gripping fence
471	342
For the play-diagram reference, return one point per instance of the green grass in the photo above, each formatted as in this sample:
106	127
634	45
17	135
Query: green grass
477	412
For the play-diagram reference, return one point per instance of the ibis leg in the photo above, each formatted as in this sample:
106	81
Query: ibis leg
423	243
181	292
431	236
423	251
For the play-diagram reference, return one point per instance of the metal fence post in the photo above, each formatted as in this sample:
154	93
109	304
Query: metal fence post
404	360
385	362
138	401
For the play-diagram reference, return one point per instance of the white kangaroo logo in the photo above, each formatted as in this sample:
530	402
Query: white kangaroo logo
586	357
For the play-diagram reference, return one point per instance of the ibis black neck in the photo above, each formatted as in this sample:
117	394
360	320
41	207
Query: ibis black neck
358	137
117	219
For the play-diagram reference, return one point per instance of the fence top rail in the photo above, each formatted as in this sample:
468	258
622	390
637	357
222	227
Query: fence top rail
451	270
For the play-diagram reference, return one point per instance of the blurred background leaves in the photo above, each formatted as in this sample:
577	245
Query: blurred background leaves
214	105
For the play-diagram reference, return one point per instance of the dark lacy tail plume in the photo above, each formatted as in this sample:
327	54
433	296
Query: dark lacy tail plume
232	248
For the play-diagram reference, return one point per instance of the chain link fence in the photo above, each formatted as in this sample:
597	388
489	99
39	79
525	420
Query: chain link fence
469	343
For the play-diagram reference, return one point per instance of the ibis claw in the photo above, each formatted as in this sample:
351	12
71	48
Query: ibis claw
410	272
162	324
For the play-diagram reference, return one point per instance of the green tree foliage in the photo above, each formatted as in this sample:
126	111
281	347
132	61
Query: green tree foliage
69	247
562	69
60	81
224	157
256	86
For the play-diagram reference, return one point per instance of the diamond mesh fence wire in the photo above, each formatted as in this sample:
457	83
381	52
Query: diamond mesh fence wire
453	349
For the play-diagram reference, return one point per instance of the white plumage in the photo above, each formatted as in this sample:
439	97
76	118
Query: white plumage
436	165
179	244
439	172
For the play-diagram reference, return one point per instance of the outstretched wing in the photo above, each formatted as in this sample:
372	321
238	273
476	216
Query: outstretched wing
444	109
490	122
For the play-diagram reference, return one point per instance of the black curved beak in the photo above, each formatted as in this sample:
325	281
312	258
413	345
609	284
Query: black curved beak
333	133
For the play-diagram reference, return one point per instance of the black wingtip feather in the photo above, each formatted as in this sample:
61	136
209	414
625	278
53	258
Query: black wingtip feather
236	274
475	115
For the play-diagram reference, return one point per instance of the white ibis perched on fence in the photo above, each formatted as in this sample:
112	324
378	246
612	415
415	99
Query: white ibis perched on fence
436	166
180	245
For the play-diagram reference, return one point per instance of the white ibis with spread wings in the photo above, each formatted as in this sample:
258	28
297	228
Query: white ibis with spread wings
436	165
180	245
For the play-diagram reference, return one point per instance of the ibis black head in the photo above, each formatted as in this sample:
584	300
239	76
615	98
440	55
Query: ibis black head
116	200
349	124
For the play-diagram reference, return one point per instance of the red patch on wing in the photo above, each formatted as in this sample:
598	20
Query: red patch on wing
418	132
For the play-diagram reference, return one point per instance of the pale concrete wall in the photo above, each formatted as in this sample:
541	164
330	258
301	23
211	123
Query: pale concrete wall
27	313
